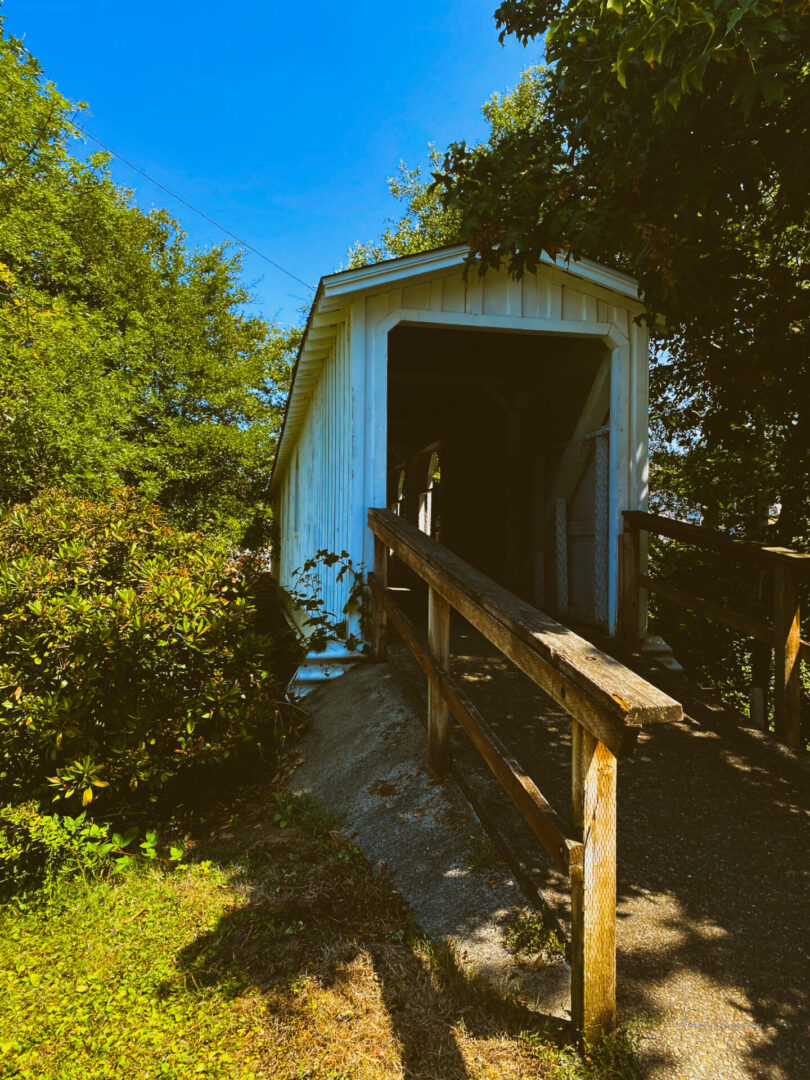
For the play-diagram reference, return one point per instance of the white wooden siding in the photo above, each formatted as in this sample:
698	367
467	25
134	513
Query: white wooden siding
313	504
335	439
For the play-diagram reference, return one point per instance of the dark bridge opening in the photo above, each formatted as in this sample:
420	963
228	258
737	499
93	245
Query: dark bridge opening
477	426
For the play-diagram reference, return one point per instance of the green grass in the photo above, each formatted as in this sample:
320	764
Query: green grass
90	985
483	856
529	936
279	954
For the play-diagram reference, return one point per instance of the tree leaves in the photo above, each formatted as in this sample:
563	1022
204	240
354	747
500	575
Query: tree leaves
668	142
124	358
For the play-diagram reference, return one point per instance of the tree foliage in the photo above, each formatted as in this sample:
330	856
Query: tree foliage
124	357
670	138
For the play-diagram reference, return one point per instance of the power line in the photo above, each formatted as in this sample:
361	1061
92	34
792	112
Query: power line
174	195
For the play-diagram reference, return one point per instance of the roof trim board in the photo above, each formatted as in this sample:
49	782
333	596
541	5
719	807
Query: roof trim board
335	291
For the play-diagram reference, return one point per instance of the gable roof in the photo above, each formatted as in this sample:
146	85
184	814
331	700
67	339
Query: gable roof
335	291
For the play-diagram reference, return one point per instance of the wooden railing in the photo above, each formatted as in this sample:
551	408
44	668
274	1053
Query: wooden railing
781	634
608	705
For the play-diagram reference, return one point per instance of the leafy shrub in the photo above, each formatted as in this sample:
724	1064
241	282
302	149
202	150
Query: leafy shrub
37	849
128	652
320	625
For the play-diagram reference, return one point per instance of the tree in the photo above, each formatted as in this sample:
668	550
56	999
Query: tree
124	358
669	137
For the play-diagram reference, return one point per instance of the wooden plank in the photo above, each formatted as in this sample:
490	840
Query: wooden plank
438	713
593	887
514	491
521	789
741	550
609	699
600	529
378	615
752	628
760	684
787	640
576	452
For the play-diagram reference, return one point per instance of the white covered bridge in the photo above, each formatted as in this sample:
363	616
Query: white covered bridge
478	447
474	442
507	418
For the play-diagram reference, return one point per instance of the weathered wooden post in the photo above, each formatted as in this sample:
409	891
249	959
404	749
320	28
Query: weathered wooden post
379	619
760	681
787	639
760	659
438	713
593	886
561	553
629	584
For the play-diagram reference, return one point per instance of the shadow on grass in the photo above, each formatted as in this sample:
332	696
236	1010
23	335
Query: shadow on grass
341	971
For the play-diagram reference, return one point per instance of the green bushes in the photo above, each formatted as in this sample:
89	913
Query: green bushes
128	653
37	850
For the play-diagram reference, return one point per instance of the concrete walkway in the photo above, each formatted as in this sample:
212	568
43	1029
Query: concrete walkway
713	935
364	759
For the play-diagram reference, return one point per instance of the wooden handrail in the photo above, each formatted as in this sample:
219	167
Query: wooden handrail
522	790
753	628
609	700
745	551
789	569
607	703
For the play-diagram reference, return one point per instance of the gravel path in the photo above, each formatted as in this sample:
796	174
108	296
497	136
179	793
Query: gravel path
714	867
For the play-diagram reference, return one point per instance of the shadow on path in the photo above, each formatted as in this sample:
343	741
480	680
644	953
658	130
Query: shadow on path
714	868
337	965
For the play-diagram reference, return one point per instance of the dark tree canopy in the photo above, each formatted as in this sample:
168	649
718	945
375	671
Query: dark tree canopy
672	139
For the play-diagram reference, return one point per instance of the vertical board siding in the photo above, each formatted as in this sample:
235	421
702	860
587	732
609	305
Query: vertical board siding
437	295
577	305
323	454
474	295
530	298
416	296
335	467
453	294
496	294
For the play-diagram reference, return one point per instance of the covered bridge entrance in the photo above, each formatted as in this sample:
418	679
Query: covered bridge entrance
507	418
478	423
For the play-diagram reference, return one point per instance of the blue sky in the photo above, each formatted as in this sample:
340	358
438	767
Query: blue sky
280	121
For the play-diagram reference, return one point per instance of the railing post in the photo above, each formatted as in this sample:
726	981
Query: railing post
629	586
786	637
379	620
593	886
760	681
438	712
561	554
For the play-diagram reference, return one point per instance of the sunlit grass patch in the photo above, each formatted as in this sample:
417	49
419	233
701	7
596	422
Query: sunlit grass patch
529	937
281	956
92	987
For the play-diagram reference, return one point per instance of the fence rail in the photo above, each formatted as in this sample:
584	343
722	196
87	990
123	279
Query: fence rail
782	634
607	703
